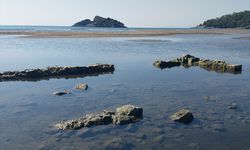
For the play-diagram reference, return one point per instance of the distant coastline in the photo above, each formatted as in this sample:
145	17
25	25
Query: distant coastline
66	32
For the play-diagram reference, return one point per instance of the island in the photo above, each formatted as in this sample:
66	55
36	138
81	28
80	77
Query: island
235	20
100	22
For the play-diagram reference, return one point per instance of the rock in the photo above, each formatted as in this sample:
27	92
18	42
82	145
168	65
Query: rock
130	110
100	22
56	72
130	115
234	68
60	93
210	65
233	106
81	86
184	116
163	64
123	119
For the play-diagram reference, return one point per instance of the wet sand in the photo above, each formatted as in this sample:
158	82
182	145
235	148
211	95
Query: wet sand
129	33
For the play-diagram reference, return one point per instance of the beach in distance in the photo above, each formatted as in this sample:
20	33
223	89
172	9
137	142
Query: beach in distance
85	33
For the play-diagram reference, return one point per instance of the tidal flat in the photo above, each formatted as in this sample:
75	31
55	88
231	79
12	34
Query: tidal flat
29	110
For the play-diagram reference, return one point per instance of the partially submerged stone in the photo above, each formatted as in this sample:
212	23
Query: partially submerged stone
210	65
123	119
183	115
233	106
126	114
56	72
81	86
130	110
60	93
163	64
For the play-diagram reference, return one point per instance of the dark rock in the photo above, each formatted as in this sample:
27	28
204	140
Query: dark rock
131	114
233	106
81	86
56	72
184	116
100	22
163	64
60	93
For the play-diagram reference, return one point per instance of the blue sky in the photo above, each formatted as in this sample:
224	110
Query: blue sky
134	13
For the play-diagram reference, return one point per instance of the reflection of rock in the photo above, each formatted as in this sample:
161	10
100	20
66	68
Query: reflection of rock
60	93
125	115
56	72
184	116
210	65
81	86
116	144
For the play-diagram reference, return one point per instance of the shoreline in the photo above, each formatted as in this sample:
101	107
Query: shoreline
135	33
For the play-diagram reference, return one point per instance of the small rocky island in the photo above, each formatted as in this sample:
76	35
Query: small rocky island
100	22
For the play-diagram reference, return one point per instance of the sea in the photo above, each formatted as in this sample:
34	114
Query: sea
29	110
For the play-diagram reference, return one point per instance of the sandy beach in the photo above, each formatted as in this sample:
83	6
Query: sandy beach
129	33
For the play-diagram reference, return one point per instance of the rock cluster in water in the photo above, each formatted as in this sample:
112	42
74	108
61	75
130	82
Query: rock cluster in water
123	115
56	72
189	60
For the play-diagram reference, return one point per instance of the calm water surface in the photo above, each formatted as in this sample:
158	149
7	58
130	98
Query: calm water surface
28	110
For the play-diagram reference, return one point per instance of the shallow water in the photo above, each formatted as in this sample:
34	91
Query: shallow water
28	110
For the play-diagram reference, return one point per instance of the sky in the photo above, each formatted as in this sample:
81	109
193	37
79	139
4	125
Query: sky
134	13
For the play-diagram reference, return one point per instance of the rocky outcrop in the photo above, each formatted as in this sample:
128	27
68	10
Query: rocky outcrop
210	65
56	72
100	22
123	115
184	116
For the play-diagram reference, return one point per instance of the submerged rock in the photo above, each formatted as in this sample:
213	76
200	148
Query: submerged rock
60	93
184	116
210	65
233	106
81	86
125	115
56	72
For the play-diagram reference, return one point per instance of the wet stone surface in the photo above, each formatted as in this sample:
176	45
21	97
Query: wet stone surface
210	65
123	115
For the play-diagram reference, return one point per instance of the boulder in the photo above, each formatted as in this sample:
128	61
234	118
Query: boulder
130	110
81	86
183	115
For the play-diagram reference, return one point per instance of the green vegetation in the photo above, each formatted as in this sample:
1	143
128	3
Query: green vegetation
235	20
